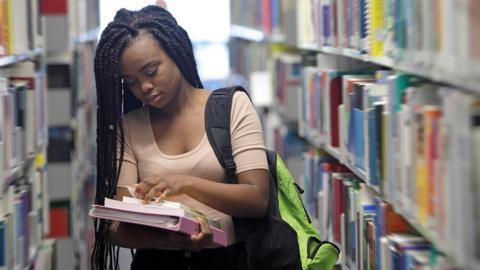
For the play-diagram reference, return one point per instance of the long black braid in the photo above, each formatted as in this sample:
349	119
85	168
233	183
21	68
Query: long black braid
114	100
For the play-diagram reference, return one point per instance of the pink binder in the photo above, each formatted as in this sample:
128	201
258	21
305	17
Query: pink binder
176	219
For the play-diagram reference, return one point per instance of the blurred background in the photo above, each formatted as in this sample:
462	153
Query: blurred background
373	104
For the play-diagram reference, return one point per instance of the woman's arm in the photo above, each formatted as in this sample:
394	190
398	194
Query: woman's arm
248	198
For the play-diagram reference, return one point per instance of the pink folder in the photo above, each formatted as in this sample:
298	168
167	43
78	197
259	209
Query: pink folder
175	219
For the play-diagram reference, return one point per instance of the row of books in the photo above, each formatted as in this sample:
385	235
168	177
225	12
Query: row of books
24	220
241	60
266	16
83	155
21	26
22	121
371	234
287	69
428	33
411	139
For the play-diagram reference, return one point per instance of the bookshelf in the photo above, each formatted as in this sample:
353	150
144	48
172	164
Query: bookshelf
71	33
420	70
23	194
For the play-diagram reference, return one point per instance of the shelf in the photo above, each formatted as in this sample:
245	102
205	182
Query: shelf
433	72
309	47
424	232
247	33
255	35
17	172
315	140
16	58
11	175
332	151
88	36
312	138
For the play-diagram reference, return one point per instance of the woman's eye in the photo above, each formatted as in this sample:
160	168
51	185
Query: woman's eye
129	82
151	71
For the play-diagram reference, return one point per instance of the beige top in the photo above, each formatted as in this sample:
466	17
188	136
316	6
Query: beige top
143	158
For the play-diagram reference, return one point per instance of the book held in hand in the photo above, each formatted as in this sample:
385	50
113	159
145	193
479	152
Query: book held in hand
172	216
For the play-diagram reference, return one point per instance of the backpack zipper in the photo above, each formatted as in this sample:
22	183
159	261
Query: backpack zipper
300	191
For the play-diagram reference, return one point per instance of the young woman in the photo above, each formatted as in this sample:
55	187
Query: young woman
150	130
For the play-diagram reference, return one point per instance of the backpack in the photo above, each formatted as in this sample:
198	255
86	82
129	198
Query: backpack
285	237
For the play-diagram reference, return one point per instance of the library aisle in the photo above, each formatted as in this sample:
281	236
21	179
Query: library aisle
373	104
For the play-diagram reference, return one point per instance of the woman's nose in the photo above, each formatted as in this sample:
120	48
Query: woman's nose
146	86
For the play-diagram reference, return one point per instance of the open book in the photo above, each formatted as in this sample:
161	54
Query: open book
173	216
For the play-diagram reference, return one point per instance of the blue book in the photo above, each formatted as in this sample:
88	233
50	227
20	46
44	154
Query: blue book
326	23
275	14
351	127
372	151
3	244
363	22
395	259
349	21
358	116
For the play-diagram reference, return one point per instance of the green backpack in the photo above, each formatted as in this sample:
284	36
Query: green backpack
285	238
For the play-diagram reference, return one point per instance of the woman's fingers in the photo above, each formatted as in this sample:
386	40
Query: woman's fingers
203	238
156	191
142	189
145	186
165	194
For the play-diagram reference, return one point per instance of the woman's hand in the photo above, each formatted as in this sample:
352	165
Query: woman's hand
194	242
138	236
161	187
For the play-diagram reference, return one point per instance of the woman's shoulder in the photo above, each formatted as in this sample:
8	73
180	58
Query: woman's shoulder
240	97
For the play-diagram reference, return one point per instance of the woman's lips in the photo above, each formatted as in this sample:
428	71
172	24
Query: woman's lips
153	99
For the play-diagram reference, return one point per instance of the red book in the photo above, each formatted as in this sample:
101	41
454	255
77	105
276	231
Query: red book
59	222
267	16
53	7
335	101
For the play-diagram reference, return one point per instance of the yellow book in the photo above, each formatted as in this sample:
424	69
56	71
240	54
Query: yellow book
422	191
376	28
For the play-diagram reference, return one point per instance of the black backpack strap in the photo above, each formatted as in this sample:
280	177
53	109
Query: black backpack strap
217	126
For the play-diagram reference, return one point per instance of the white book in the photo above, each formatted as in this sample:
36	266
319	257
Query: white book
37	24
385	253
18	27
322	216
340	24
429	34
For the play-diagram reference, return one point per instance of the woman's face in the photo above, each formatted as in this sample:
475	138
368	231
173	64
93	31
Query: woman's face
149	72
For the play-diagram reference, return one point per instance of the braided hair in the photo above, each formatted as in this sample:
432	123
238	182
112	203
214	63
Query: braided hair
114	99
